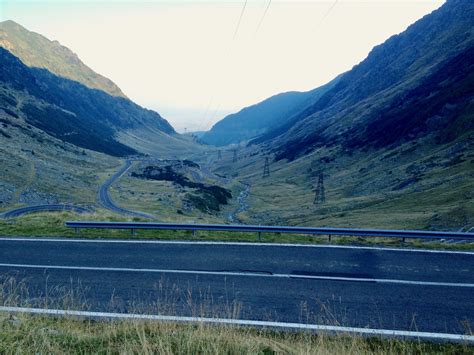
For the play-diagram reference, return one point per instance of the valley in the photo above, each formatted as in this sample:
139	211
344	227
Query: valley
383	159
339	211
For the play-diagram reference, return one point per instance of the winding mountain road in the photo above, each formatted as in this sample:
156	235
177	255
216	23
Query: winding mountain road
106	201
103	197
43	208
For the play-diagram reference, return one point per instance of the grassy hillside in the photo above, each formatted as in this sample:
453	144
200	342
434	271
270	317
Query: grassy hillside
39	169
404	89
37	51
419	184
70	111
394	139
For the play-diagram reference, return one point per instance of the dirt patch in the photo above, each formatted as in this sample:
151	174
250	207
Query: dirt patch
205	197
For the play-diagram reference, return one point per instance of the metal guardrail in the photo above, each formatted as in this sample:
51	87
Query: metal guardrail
385	233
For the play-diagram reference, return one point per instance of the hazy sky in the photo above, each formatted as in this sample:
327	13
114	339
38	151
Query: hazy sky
195	61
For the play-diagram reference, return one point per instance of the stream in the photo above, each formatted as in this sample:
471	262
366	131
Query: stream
243	206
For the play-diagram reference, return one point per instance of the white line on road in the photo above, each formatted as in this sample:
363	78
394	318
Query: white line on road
244	322
176	242
243	273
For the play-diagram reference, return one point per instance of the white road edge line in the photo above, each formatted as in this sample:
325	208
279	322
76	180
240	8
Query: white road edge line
244	322
247	274
143	241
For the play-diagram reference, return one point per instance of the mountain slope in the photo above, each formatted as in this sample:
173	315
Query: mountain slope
393	141
37	51
70	111
366	98
442	103
37	168
257	119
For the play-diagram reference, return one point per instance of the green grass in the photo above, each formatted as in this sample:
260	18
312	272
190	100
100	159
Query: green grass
44	169
53	225
26	334
362	188
168	201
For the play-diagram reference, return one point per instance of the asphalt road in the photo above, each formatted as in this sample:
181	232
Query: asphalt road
348	286
103	196
43	208
106	201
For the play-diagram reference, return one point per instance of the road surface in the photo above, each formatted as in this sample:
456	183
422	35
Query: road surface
379	288
103	196
43	208
106	201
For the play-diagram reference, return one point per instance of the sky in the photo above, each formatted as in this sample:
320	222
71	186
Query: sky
196	61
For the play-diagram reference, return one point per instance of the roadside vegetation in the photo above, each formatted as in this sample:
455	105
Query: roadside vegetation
416	185
52	224
25	334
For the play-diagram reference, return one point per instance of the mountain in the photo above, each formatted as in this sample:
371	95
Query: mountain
391	145
416	83
37	51
257	119
70	111
37	168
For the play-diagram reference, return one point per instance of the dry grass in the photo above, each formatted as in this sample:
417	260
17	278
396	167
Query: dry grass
364	189
34	334
25	334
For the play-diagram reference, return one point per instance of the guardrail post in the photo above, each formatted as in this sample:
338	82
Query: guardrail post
401	235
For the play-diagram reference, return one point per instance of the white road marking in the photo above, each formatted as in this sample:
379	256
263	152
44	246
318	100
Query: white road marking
143	241
244	322
244	273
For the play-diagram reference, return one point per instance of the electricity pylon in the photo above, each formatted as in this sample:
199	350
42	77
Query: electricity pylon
266	168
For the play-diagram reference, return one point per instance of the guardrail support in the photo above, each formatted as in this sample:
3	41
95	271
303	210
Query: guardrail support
329	232
133	232
259	236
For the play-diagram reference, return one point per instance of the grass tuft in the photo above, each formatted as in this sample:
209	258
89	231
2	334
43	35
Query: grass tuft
37	334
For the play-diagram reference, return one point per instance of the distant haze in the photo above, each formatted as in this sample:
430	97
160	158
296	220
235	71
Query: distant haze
188	59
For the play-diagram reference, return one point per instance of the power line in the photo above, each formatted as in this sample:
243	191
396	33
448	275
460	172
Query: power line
240	19
203	123
226	53
330	9
328	12
263	17
212	117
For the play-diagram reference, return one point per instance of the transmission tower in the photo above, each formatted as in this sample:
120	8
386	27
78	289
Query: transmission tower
219	155
234	159
266	168
320	195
